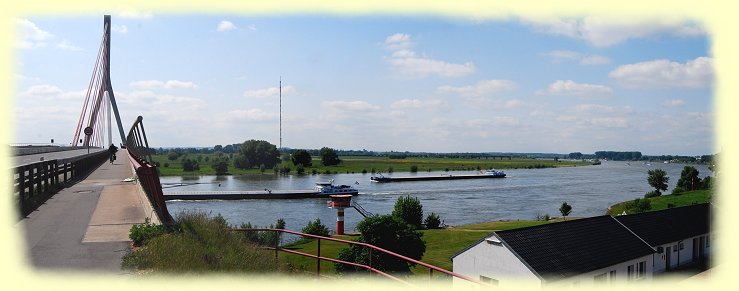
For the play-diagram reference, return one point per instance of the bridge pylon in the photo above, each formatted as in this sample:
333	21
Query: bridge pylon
99	100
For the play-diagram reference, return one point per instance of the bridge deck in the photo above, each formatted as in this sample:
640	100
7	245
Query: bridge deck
85	226
28	159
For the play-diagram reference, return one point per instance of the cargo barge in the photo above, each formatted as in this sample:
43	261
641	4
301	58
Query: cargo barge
321	190
486	175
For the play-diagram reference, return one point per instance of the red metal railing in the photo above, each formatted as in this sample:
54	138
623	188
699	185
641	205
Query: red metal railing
319	258
138	151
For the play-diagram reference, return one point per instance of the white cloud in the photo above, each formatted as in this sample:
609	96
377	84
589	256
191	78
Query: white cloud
133	14
558	56
254	114
120	28
252	27
601	109
170	84
482	88
609	122
66	45
673	103
398	41
51	92
270	92
30	35
572	88
601	32
225	25
416	104
595	60
406	62
695	73
357	106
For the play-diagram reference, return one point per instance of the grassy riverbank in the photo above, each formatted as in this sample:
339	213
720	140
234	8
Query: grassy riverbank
661	202
440	245
351	164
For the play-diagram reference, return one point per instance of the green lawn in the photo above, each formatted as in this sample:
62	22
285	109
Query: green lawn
440	245
366	164
660	202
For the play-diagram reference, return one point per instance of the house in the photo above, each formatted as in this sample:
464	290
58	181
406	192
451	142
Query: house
681	235
584	252
592	250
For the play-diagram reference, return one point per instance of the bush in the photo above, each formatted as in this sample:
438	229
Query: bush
676	191
300	169
388	232
316	228
414	168
364	171
314	171
200	244
432	221
651	194
141	233
542	217
409	210
390	169
638	206
302	157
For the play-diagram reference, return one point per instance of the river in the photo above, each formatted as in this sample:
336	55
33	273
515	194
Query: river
523	194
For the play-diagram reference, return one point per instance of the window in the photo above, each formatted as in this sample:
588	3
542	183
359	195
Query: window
600	279
682	246
488	280
674	248
641	270
630	272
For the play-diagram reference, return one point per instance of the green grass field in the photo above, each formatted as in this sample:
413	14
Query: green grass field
366	164
440	245
660	202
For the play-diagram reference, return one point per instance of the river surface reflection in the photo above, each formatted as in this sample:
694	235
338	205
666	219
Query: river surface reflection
521	195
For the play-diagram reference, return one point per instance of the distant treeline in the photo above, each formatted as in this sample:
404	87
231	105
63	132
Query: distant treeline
610	155
637	156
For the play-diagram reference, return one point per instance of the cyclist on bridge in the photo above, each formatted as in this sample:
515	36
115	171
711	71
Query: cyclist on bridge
112	150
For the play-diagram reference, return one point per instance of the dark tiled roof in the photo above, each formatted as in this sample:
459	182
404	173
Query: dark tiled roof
559	250
669	225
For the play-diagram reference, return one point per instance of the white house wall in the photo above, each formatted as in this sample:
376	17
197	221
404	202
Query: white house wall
495	262
680	257
588	279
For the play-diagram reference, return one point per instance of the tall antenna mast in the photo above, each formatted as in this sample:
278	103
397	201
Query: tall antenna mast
280	112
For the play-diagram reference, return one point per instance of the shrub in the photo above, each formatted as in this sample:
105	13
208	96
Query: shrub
432	221
166	165
390	169
364	171
388	232
638	206
414	168
314	171
676	191
316	228
651	194
300	169
409	210
141	233
201	244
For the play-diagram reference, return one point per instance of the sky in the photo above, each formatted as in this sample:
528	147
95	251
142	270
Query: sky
378	82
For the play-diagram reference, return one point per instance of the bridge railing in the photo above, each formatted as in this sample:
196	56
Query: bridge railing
147	173
276	247
34	183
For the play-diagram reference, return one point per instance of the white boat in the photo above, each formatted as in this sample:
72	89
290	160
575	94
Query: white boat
495	173
328	188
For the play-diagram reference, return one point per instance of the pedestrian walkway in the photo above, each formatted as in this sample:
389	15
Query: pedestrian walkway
29	159
86	226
